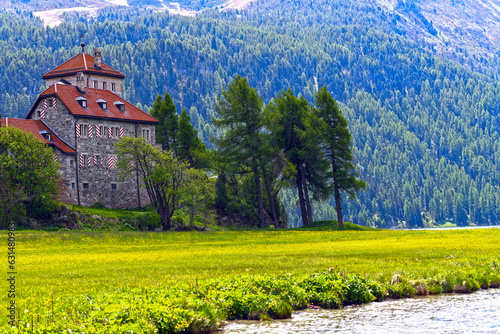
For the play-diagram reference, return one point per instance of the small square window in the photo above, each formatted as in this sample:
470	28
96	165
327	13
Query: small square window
113	186
85	185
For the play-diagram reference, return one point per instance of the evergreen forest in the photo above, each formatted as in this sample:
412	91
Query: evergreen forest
425	132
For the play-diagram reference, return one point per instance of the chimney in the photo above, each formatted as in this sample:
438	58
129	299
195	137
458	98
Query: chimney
97	58
80	82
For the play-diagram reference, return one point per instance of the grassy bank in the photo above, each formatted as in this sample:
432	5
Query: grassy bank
56	269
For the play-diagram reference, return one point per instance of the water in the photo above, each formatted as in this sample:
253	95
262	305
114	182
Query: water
470	313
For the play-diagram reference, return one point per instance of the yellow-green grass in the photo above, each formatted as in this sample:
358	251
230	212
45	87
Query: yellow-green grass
74	263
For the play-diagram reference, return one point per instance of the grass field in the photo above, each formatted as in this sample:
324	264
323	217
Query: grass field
63	265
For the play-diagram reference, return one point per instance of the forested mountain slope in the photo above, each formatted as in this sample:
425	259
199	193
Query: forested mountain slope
425	130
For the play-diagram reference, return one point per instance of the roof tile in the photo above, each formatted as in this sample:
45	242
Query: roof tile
68	95
34	127
82	62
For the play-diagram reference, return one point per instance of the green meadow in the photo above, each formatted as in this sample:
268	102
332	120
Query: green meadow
55	269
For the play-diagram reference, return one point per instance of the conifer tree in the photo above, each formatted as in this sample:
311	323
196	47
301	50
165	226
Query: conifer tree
240	116
166	131
189	147
337	143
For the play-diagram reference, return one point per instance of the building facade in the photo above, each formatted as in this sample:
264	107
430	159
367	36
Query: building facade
82	109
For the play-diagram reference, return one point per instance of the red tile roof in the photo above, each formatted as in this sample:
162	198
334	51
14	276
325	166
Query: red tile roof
82	62
68	94
34	127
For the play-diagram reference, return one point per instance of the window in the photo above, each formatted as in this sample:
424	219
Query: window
113	186
113	87
71	163
85	185
103	104
72	185
104	85
145	134
50	102
84	130
120	105
38	114
82	101
113	132
96	84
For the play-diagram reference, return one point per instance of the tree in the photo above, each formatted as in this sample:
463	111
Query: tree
240	116
28	172
166	130
162	174
190	149
197	194
337	144
289	115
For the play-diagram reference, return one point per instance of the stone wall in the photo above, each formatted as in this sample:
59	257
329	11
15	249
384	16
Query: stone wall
97	183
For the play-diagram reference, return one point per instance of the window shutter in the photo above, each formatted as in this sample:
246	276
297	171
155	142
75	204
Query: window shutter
121	132
78	131
90	131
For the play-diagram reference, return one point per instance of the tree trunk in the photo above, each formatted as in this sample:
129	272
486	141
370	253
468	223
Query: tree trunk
269	195
260	204
303	210
338	205
306	196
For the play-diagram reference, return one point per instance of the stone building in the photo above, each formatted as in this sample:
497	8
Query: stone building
81	115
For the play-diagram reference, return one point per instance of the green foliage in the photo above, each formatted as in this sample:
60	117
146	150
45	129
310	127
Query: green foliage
189	147
166	131
162	174
28	176
424	130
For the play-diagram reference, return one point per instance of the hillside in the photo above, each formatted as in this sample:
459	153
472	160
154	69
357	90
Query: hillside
425	129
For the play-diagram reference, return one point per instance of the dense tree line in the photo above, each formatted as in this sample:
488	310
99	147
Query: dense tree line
424	129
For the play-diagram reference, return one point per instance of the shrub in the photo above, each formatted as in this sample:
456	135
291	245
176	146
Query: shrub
378	291
401	290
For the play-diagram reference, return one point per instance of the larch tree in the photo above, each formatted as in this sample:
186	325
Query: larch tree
288	115
337	145
240	117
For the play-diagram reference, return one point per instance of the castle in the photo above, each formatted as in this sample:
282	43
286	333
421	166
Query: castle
81	115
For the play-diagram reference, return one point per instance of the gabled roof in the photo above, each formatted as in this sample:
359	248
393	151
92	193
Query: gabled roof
82	62
69	94
35	127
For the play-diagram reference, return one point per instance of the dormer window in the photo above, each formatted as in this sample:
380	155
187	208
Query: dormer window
103	104
46	134
82	101
120	105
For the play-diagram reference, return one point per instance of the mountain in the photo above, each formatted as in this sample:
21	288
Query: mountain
425	128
